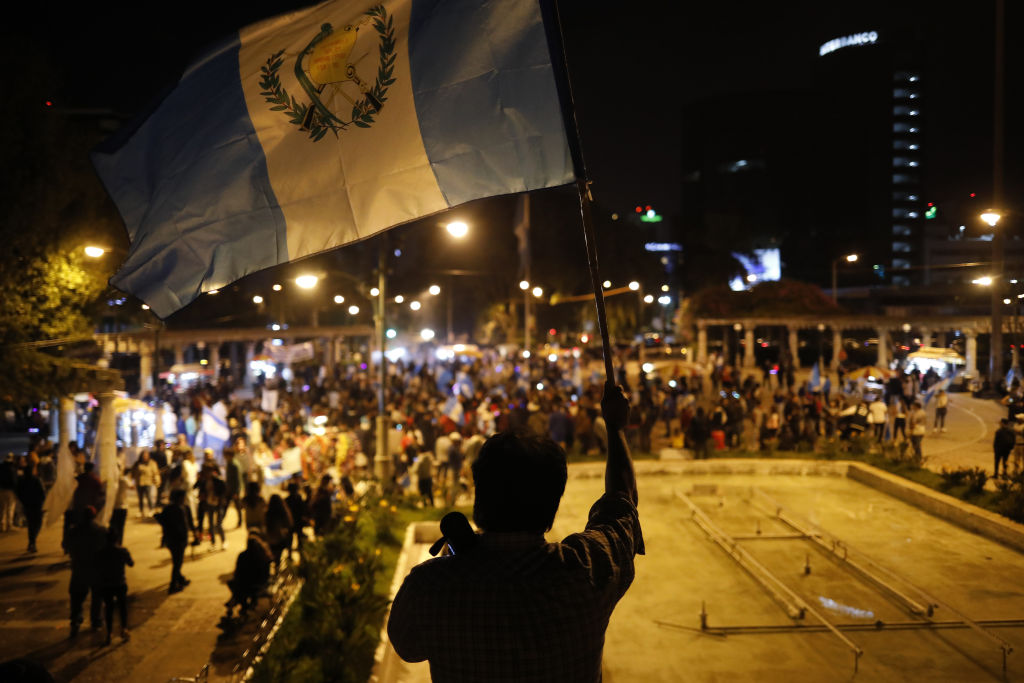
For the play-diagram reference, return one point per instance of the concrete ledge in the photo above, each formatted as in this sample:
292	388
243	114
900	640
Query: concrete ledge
953	510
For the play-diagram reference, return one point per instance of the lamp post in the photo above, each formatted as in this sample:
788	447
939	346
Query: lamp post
849	258
991	218
525	286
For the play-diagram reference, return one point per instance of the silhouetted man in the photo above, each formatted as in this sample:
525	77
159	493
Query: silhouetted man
514	607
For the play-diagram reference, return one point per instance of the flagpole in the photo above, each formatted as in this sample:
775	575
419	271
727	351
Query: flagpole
553	29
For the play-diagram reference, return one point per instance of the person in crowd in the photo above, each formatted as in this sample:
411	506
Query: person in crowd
111	583
8	499
941	407
159	456
255	507
424	469
89	491
279	524
1002	446
189	477
918	423
211	493
323	506
84	542
699	434
878	416
299	509
252	573
553	600
177	523
233	479
31	494
147	479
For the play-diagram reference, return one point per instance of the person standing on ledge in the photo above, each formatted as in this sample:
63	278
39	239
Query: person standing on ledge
511	606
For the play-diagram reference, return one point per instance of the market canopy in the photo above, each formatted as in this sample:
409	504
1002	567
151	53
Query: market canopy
939	354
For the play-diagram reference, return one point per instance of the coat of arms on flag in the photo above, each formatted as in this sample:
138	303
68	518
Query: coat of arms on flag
328	71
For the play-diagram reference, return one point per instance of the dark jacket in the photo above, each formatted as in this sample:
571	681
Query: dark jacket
176	521
30	491
110	563
1004	441
84	543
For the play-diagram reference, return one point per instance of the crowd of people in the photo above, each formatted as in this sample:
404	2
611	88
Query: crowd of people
322	423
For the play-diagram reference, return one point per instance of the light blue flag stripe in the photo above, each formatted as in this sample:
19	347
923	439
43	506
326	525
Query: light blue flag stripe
200	138
485	97
195	187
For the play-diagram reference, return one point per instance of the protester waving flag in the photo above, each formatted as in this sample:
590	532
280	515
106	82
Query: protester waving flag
213	431
325	126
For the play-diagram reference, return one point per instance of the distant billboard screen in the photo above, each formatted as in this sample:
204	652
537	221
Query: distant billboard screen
762	266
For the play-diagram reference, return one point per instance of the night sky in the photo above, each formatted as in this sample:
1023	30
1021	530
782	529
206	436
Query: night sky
638	73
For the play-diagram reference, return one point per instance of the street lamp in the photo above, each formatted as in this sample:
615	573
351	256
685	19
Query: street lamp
538	292
991	218
94	252
849	258
634	285
457	229
434	290
414	305
307	281
339	299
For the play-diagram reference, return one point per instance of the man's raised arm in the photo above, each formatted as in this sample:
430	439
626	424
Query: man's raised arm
618	473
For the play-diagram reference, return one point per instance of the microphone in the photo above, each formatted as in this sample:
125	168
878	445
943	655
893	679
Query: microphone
457	533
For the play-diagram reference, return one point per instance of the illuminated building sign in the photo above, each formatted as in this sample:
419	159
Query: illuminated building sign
663	246
866	38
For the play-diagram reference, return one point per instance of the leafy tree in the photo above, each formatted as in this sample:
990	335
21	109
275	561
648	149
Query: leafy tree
54	205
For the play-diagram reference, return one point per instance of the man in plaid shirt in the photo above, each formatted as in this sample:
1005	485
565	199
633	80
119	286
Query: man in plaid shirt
515	607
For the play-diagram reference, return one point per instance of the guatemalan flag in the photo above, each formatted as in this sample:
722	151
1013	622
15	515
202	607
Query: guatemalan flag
325	126
213	431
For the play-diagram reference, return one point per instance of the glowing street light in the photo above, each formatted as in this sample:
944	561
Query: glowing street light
457	229
145	307
339	299
307	281
634	285
991	217
524	285
649	299
983	281
849	258
353	310
664	300
214	291
399	299
606	284
434	290
664	288
414	305
276	288
426	334
94	252
374	291
257	299
537	292
391	333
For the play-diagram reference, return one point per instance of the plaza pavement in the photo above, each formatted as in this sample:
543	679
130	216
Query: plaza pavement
171	635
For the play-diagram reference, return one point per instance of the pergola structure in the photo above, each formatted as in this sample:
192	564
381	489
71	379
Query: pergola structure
932	331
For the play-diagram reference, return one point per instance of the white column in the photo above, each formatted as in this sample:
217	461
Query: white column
59	497
250	351
794	346
926	336
215	360
837	347
145	368
158	431
748	348
972	353
702	343
882	360
106	445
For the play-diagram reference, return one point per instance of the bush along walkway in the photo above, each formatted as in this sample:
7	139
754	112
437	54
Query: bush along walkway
333	627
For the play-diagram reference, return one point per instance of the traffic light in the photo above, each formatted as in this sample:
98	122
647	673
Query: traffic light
932	211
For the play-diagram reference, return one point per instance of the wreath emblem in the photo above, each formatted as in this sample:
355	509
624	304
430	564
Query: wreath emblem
327	71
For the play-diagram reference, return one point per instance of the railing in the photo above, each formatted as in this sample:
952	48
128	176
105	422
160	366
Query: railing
286	588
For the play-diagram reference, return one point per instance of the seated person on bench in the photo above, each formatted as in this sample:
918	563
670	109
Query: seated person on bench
252	573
